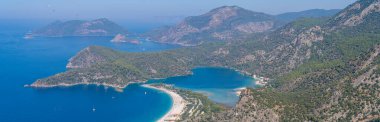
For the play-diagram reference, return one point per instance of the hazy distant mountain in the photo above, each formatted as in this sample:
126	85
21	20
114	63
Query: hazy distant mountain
313	13
223	23
98	27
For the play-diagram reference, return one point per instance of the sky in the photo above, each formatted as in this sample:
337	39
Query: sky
146	11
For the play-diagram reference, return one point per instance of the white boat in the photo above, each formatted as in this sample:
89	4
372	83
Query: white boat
28	35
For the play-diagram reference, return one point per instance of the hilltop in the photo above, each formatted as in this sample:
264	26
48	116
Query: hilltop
223	23
322	69
228	23
98	27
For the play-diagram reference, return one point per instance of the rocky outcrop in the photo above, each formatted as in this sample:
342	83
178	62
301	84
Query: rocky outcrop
356	13
367	77
220	15
249	110
221	51
306	38
175	34
255	27
364	94
357	19
246	110
120	38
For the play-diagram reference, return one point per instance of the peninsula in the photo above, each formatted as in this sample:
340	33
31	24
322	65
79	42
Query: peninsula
98	27
320	69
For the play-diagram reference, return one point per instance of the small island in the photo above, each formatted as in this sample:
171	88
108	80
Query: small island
120	38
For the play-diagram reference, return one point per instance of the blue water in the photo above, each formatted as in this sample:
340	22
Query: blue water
23	61
219	84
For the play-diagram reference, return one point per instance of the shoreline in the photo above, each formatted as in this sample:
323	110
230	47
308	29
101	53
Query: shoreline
178	105
174	114
115	87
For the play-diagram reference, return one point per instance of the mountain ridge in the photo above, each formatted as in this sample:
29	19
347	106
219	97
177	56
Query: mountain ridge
320	69
226	23
312	13
97	27
221	23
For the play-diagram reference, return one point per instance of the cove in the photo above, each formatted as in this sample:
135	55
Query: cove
24	61
219	84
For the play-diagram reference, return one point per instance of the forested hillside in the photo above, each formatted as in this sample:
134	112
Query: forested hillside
321	69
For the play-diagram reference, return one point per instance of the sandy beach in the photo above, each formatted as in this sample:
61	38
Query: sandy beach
177	108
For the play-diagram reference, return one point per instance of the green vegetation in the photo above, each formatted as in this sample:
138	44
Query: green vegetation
353	45
309	67
76	28
198	104
208	106
375	120
333	79
309	22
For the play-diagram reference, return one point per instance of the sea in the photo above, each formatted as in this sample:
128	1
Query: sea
23	61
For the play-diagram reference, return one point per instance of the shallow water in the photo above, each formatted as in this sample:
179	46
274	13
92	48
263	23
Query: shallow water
219	84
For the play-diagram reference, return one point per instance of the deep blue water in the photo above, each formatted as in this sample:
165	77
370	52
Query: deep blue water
23	61
219	84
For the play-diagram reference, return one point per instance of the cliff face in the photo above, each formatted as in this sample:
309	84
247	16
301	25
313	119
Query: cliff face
98	27
356	14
